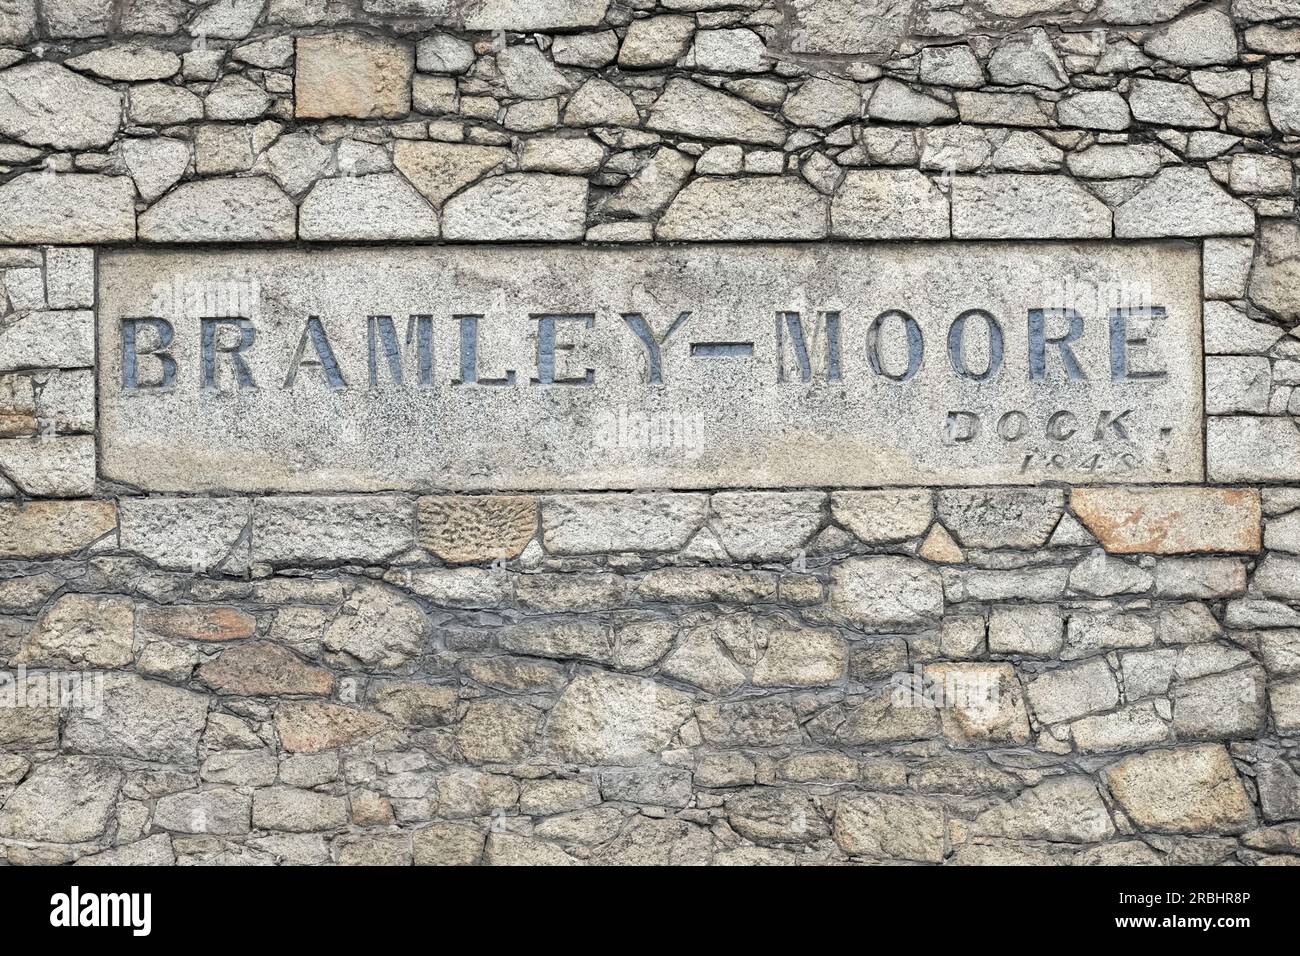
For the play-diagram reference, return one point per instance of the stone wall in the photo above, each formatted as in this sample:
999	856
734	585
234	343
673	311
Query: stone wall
1055	672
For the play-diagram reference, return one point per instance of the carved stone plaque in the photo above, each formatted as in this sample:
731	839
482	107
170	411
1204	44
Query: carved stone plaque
534	368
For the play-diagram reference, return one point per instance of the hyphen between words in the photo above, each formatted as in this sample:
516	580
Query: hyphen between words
894	343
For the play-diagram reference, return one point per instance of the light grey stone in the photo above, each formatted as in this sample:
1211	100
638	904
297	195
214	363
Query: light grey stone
1031	630
654	185
382	206
1183	201
161	104
955	66
155	164
1071	692
64	800
1237	383
888	204
533	16
378	627
81	630
45	104
595	524
518	206
1089	633
1003	109
729	51
191	534
296	161
1199	39
444	53
325	530
605	718
592	50
892	101
1012	518
764	207
528	73
128	62
823	102
217	811
235	209
75	208
1251	448
48	339
1065	808
883	594
1010	206
1284	95
144	719
1027	58
1275	271
765	526
1162	103
689	109
356	449
655	41
1115	162
1094	109
881	517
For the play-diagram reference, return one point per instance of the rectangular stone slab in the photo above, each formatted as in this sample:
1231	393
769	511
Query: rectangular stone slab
742	394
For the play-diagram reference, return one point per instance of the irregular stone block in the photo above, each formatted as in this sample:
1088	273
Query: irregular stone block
81	630
188	534
762	207
44	529
439	170
1001	518
518	206
1182	201
264	670
42	339
367	208
329	530
1009	206
65	800
889	204
885	593
310	727
71	208
469	530
352	74
604	718
1071	692
144	719
595	524
1170	520
1184	790
45	104
689	109
244	209
883	826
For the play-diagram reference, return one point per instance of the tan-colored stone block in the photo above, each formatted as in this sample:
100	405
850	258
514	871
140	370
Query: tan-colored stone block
45	529
466	530
1186	790
313	727
1170	520
192	623
256	670
352	74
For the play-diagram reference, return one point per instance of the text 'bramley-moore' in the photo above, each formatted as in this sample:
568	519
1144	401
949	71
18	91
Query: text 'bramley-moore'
433	367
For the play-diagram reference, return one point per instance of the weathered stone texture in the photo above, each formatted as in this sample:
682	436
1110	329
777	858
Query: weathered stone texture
815	544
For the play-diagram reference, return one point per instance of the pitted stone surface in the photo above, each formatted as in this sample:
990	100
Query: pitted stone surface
742	593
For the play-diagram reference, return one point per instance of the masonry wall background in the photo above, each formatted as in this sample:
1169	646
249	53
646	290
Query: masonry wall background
651	677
